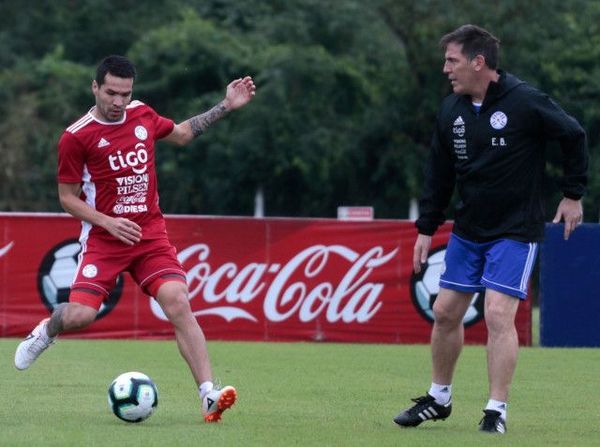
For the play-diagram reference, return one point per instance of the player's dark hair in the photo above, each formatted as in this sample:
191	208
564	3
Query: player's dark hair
118	66
474	40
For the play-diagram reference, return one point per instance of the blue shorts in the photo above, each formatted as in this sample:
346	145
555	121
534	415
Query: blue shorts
503	265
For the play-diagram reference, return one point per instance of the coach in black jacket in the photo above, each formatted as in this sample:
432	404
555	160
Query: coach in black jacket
489	141
496	157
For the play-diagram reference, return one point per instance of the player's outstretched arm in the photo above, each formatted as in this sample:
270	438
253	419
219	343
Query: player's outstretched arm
239	93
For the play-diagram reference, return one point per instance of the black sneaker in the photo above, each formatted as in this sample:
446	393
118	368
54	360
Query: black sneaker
425	409
492	422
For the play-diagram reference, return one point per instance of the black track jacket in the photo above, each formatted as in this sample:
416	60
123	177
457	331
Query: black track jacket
496	159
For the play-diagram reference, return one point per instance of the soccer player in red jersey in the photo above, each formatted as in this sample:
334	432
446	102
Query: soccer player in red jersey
107	179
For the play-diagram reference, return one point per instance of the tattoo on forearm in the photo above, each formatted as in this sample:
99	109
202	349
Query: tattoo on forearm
200	123
55	325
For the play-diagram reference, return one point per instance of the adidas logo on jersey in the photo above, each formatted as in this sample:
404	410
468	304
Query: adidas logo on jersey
459	121
103	142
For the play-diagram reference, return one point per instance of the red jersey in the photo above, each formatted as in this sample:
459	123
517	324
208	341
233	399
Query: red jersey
115	164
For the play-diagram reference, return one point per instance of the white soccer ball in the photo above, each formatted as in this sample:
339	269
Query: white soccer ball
426	286
132	396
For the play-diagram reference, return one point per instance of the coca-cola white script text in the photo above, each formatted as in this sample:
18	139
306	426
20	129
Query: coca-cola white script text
227	288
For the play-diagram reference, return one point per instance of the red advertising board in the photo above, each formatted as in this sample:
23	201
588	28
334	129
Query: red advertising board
269	279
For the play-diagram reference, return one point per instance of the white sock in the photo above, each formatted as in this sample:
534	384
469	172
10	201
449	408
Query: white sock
441	393
205	388
498	406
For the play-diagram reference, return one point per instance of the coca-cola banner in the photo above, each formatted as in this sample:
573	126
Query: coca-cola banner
249	279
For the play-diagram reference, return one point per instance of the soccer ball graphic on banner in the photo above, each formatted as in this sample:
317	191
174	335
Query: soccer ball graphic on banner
132	396
425	287
56	283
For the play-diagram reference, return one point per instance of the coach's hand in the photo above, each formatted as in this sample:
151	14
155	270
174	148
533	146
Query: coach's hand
571	211
125	230
421	251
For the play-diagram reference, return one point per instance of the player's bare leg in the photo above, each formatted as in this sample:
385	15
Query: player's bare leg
173	298
446	345
70	317
503	342
502	353
67	316
447	335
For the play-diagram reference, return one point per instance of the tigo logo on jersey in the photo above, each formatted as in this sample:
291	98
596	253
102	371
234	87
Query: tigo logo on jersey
131	159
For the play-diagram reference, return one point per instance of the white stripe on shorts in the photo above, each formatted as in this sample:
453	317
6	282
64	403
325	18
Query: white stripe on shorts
528	265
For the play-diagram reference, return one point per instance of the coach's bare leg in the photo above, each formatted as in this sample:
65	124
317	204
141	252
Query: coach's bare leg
173	299
502	344
447	335
70	317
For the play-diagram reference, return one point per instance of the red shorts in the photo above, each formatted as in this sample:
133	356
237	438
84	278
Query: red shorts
102	260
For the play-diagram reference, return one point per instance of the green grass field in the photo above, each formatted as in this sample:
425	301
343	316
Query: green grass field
292	394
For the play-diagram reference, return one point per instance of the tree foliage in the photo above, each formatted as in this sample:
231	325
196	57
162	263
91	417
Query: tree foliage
347	92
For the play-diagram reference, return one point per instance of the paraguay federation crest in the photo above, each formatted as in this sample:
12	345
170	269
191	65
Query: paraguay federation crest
498	120
141	132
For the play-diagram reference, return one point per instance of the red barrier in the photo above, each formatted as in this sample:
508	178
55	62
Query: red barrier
249	279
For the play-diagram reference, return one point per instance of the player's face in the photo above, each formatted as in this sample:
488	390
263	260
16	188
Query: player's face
112	97
459	69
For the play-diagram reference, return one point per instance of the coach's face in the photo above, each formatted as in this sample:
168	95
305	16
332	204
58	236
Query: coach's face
112	97
460	70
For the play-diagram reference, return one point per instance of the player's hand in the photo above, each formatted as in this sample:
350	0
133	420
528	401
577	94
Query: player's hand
239	93
571	211
421	251
125	230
